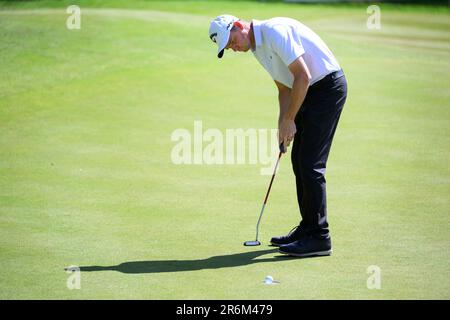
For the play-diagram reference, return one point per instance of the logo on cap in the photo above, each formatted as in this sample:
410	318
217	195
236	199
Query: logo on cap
213	36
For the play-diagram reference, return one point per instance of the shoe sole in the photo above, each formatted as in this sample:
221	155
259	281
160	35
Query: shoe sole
309	254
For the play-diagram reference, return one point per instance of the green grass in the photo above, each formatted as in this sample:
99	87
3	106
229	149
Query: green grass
86	177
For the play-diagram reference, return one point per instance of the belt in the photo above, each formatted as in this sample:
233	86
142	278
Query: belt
329	77
335	75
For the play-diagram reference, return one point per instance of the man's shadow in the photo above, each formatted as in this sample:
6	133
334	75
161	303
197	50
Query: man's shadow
216	262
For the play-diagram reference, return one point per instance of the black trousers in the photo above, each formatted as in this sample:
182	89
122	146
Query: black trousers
316	124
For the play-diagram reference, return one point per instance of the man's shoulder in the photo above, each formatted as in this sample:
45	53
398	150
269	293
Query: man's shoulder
278	26
279	21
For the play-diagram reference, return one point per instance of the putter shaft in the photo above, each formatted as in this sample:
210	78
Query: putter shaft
267	194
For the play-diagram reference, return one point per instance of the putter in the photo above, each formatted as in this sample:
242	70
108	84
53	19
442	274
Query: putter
256	242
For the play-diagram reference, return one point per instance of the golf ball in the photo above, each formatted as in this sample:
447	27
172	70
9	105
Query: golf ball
268	280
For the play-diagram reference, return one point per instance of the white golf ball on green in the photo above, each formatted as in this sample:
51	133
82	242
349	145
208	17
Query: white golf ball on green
268	280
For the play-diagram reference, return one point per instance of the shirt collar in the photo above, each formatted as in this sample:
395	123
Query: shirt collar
257	32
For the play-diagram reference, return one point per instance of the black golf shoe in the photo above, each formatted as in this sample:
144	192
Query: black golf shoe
295	234
308	246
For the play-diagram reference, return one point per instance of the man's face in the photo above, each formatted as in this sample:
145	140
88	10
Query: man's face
238	40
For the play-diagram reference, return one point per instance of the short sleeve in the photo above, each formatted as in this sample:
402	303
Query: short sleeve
285	43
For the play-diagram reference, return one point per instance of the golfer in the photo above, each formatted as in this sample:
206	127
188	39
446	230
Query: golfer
311	92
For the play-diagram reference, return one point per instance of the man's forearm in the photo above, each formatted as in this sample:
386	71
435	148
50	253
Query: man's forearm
297	96
284	99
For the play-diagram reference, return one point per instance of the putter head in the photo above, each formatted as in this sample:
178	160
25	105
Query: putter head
252	243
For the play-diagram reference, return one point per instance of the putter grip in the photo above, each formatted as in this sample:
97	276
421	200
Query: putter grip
282	148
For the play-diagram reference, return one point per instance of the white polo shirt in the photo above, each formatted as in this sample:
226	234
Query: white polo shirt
279	41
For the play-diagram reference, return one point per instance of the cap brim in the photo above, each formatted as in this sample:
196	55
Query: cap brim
223	43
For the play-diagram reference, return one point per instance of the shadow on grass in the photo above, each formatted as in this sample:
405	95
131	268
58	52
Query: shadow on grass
158	266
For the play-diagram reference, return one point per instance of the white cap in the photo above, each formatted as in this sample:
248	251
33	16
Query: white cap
219	31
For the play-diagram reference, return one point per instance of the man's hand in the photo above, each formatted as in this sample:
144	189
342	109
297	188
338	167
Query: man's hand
286	131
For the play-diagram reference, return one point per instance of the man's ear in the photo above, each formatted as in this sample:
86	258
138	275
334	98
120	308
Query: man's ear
238	24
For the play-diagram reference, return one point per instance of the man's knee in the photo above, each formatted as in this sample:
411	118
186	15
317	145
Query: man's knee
312	171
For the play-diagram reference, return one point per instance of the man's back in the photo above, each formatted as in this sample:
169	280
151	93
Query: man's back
289	39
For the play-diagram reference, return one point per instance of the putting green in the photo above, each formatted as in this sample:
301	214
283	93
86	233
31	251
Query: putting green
86	176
